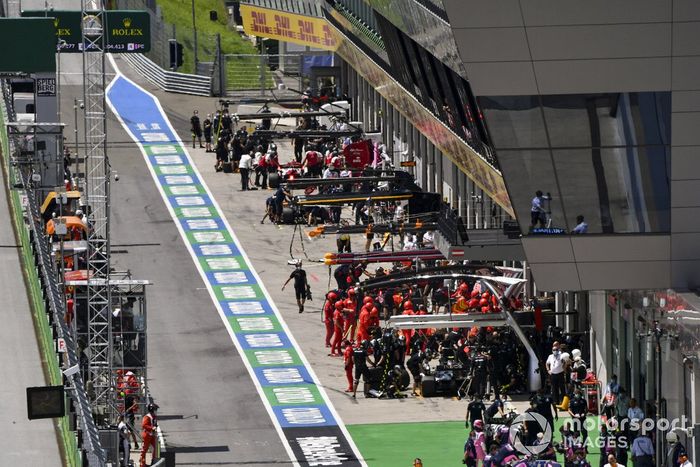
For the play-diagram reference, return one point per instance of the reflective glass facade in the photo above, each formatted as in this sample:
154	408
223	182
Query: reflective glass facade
605	157
425	21
362	10
436	86
440	89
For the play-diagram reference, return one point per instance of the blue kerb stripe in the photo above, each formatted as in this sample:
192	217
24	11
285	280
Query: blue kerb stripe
140	113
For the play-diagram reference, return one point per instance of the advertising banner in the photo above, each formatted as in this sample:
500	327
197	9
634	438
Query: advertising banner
288	27
126	31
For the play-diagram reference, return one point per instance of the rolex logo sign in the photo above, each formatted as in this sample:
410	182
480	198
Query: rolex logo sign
59	30
127	30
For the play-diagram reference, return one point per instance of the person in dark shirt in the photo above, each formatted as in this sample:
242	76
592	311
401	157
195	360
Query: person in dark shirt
677	449
475	411
196	127
546	407
532	426
216	125
279	197
579	459
341	274
267	121
578	408
361	359
298	149
496	408
226	121
208	125
221	154
300	285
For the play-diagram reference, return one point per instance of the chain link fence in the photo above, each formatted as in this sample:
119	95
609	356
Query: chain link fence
256	76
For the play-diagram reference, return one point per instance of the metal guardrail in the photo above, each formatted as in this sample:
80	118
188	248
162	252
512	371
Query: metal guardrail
48	273
169	81
55	307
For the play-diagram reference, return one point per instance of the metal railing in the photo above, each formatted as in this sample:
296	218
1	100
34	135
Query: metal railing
249	75
169	80
354	18
435	8
451	226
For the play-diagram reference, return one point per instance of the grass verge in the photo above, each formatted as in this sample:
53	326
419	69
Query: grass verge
436	443
179	13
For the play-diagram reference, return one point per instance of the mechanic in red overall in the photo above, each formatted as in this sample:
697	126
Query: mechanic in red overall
149	424
462	291
328	310
363	328
313	162
374	317
348	362
338	323
408	311
350	315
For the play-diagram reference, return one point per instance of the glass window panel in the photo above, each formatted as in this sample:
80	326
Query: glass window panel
464	111
433	89
527	171
568	120
617	190
514	121
613	119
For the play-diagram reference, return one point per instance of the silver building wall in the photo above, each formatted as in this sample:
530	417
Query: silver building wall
642	49
544	48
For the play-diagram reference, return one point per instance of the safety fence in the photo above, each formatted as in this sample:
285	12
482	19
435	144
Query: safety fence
257	76
48	309
168	80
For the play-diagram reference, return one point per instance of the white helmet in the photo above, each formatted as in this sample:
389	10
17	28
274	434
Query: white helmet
671	437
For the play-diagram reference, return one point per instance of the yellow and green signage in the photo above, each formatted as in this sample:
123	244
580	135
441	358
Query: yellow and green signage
126	31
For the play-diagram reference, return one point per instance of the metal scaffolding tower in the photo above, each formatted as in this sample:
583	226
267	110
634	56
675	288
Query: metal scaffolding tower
99	346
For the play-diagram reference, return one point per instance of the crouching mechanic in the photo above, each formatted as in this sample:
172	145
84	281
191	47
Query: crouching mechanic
362	361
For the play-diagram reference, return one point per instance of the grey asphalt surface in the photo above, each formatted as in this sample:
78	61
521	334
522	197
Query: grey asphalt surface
268	247
22	441
210	410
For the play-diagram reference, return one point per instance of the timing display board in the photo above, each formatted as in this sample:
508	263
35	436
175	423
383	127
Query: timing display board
127	31
29	45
